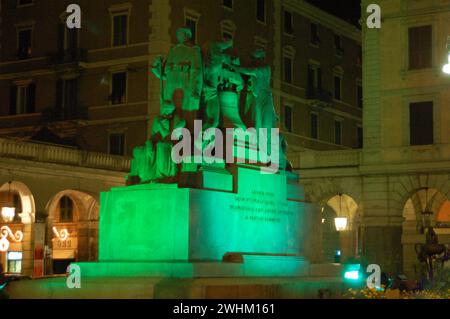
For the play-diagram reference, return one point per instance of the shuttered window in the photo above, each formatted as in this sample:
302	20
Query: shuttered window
120	32
421	123
420	52
22	99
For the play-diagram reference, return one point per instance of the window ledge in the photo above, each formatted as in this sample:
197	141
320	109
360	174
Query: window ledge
405	72
291	85
264	23
228	8
18	116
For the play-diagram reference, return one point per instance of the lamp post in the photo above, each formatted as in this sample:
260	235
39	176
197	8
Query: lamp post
8	210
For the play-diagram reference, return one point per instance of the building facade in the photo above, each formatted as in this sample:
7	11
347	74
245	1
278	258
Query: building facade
399	183
91	87
76	102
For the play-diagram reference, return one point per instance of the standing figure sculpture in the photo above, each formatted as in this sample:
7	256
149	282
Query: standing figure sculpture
222	87
182	74
260	102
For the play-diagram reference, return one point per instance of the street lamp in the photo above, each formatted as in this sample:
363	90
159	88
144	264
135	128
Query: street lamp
340	222
446	67
8	210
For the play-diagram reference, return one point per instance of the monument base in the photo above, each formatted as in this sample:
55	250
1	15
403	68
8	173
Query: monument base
250	266
323	281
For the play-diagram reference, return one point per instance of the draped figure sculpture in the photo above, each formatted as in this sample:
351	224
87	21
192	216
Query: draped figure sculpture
260	100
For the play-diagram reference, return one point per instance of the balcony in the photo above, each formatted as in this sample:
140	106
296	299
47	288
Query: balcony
56	114
319	95
72	56
325	159
62	155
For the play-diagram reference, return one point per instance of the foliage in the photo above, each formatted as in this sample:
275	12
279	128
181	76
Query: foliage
372	293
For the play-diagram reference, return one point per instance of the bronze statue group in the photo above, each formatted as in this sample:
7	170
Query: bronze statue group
206	85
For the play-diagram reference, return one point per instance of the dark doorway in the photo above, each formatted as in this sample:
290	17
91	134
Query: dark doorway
60	265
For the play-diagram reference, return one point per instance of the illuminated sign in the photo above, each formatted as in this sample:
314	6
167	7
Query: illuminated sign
5	231
63	234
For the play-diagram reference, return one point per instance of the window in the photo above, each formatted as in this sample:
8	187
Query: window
67	97
119	88
359	136
288	118
227	4
420	47
338	132
314	126
228	29
288	22
260	43
226	35
70	94
22	99
14	265
71	39
117	144
421	123
67	38
65	209
314	76
359	56
338	45
287	69
24	43
337	87
192	25
261	11
23	3
120	29
359	95
17	203
314	34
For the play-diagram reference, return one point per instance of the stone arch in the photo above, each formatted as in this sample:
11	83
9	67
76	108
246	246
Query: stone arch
404	187
339	205
423	198
84	201
321	190
26	197
82	243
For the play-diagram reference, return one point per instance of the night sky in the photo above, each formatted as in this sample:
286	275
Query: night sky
349	10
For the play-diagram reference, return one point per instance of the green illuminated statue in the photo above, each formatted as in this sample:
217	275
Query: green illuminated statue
182	73
260	100
153	161
212	85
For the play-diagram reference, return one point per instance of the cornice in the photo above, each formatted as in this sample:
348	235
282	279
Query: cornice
326	19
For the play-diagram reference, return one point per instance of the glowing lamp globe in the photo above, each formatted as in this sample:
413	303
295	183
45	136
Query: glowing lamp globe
340	223
8	213
446	68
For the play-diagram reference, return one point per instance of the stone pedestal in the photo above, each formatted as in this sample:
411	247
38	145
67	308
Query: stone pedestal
165	230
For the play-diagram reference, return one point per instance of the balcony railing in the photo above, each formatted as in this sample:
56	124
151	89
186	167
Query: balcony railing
55	114
69	56
317	159
62	155
318	94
